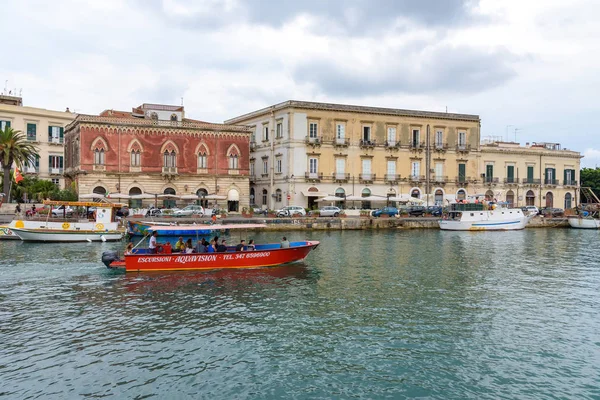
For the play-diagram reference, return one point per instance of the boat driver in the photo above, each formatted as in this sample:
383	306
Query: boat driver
153	245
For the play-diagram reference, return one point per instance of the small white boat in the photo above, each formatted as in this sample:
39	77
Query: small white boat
103	228
7	234
479	217
581	222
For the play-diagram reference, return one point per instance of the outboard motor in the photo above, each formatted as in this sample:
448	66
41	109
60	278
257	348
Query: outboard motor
109	256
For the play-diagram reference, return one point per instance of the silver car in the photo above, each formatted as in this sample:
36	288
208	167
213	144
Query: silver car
330	211
189	211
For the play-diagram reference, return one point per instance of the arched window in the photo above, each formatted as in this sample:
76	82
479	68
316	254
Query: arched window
202	160
510	198
170	159
135	158
99	156
568	200
154	116
278	195
461	194
530	198
202	193
173	117
439	197
135	203
416	193
264	197
252	197
233	153
233	161
169	202
366	192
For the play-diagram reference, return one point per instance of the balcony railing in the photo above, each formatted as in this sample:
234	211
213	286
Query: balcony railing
367	143
169	170
341	177
440	179
464	180
56	171
440	146
416	145
313	176
463	147
314	140
550	181
366	177
390	178
570	182
416	178
55	140
511	180
31	138
392	144
343	142
491	179
252	146
31	170
531	181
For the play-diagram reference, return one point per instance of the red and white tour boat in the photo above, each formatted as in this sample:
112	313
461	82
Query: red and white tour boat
263	255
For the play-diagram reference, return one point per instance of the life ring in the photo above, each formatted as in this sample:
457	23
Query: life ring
66	225
99	227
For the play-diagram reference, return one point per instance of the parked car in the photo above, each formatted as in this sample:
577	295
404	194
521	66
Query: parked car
330	211
435	211
530	210
260	211
550	212
61	211
416	211
390	211
190	210
291	211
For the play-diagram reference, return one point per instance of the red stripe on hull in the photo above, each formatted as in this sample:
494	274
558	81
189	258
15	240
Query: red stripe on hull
204	261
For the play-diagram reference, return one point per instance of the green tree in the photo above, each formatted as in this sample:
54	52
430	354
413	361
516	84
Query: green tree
590	177
42	189
14	149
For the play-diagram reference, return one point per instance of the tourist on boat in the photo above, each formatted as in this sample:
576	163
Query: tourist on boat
180	245
153	244
241	245
129	249
201	246
189	247
285	244
222	248
211	247
251	246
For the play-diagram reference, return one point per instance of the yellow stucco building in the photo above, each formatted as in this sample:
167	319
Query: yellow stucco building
45	129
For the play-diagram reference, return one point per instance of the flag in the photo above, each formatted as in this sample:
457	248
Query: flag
18	176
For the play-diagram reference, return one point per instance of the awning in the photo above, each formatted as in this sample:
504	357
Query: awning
314	194
233	195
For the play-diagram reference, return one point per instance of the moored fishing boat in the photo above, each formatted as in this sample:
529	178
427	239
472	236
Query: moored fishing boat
102	228
482	217
263	255
584	221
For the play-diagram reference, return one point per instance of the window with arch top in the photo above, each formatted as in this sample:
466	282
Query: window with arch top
169	159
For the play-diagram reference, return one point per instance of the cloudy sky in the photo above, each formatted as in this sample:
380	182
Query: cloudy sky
528	68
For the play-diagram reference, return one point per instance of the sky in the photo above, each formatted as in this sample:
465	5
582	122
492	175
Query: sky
527	68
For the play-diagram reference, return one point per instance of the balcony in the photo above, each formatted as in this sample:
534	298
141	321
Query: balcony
531	181
491	180
511	181
552	182
392	144
313	176
55	140
570	182
463	148
392	178
464	180
31	170
417	145
169	170
313	141
367	144
31	138
341	177
440	179
366	178
440	146
341	142
416	178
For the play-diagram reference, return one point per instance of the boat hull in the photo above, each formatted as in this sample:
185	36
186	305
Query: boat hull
488	220
7	234
46	235
264	256
584	223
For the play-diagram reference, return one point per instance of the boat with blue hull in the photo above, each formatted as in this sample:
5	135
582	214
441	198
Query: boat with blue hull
483	217
143	228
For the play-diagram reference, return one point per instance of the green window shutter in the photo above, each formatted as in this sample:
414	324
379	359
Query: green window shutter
530	173
510	173
489	171
37	161
49	133
554	174
8	124
62	134
462	172
565	176
60	161
49	162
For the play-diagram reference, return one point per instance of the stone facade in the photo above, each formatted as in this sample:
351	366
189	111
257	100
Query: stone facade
137	152
45	129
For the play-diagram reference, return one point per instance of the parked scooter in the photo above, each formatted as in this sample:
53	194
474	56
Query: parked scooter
153	212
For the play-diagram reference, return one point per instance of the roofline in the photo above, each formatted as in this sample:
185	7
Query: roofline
354	108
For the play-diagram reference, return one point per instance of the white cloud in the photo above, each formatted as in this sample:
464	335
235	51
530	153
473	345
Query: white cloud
591	158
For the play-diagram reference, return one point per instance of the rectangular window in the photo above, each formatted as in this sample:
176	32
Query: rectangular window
313	129
252	168
439	139
55	134
202	161
391	136
340	166
99	157
366	134
264	198
439	171
55	164
462	139
4	125
510	174
366	168
265	133
489	173
462	172
135	158
391	167
279	130
56	181
415	169
313	166
415	138
278	165
233	162
31	131
265	167
33	167
530	173
340	131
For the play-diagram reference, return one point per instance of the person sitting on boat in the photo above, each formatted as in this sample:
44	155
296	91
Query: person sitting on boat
153	244
180	245
251	246
211	247
189	247
285	244
241	245
129	249
201	246
222	248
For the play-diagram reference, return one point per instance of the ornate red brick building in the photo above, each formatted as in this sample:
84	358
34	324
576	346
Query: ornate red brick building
154	149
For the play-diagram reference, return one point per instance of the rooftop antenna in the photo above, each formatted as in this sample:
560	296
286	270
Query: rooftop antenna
182	101
446	109
516	130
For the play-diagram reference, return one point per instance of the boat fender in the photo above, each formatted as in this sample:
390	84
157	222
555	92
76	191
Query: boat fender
109	256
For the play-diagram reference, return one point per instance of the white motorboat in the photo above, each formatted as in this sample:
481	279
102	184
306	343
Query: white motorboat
584	222
482	217
102	228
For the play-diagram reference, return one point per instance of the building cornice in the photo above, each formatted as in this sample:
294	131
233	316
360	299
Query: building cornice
531	152
36	112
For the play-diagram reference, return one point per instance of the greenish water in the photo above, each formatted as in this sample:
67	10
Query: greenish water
404	314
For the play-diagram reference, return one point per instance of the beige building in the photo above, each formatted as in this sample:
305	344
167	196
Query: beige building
302	151
540	174
45	129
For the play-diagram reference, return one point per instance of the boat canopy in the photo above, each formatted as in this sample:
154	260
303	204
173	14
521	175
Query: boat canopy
204	227
81	204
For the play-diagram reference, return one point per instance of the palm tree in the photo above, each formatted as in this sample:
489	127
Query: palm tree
14	149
